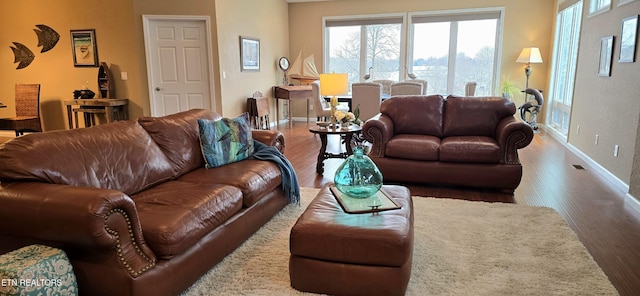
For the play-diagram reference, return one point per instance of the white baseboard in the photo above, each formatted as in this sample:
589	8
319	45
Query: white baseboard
629	200
632	202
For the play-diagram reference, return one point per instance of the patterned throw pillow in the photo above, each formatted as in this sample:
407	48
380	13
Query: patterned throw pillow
226	140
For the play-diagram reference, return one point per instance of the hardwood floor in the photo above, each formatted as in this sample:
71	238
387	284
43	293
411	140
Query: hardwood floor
606	224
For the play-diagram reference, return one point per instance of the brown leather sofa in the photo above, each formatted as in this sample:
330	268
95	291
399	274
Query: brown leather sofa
131	203
458	141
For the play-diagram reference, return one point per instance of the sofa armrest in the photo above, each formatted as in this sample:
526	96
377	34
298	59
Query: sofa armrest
103	220
512	135
270	137
378	130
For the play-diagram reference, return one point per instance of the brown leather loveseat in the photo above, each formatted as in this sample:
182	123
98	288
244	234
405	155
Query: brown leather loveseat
459	141
131	203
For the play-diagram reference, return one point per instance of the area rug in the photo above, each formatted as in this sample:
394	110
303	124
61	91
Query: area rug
461	248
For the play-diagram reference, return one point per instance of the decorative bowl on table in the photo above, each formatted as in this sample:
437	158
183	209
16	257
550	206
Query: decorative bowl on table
323	124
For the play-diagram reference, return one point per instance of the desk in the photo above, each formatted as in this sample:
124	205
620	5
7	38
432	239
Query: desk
298	92
108	104
324	132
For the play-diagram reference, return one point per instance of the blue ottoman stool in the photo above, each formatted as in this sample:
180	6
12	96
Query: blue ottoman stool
37	270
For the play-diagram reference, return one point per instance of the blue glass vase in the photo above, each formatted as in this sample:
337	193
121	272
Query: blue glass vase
358	176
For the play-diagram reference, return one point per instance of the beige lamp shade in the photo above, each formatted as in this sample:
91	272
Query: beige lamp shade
530	55
334	84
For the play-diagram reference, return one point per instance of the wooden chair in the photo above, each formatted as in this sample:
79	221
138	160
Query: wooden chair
27	111
258	108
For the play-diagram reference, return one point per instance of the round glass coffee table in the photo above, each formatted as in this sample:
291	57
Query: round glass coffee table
324	132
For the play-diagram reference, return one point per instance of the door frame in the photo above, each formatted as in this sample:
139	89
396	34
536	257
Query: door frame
146	20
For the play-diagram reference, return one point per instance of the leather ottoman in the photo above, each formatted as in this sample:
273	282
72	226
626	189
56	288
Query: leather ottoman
337	253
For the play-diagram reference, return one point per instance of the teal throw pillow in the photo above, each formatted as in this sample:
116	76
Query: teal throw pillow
226	140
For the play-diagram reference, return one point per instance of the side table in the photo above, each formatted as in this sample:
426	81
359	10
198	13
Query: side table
324	132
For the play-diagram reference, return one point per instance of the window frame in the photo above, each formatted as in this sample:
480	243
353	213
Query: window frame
406	36
461	15
361	20
597	7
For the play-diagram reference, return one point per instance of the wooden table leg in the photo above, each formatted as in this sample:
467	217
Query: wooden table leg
347	143
108	110
70	116
277	112
321	154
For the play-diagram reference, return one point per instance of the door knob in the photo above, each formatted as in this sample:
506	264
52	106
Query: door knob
158	88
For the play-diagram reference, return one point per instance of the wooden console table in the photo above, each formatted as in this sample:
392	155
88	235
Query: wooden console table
109	105
298	92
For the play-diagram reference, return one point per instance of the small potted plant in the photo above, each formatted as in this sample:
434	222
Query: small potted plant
508	88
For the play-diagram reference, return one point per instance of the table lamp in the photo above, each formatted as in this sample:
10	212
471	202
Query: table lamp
529	55
332	85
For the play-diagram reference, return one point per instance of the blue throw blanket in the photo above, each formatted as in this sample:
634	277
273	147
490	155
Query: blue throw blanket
290	184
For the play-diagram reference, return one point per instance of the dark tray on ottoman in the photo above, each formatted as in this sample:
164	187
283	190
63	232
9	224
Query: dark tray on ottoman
338	253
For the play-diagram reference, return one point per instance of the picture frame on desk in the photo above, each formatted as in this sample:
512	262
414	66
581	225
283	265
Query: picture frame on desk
249	54
84	48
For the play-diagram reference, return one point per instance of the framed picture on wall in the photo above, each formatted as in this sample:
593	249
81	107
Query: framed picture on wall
606	52
249	54
84	47
628	39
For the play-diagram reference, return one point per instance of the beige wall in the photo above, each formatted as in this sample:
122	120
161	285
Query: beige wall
264	20
119	35
532	28
607	106
54	69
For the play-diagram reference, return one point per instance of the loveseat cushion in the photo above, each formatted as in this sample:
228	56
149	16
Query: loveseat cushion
416	147
415	114
470	149
175	215
178	137
119	156
473	116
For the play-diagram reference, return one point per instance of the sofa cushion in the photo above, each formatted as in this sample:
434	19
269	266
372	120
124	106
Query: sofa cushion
226	140
470	149
175	215
178	137
415	114
475	116
255	178
417	147
120	156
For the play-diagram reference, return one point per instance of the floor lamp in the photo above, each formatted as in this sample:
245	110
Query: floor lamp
529	55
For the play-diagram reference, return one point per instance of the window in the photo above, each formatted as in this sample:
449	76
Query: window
565	56
446	49
364	45
599	6
449	50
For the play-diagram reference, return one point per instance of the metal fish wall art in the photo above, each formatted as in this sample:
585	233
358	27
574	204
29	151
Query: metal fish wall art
22	55
47	37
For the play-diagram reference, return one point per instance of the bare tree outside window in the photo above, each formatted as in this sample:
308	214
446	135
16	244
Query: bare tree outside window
382	44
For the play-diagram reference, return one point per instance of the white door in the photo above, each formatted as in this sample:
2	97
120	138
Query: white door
178	63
